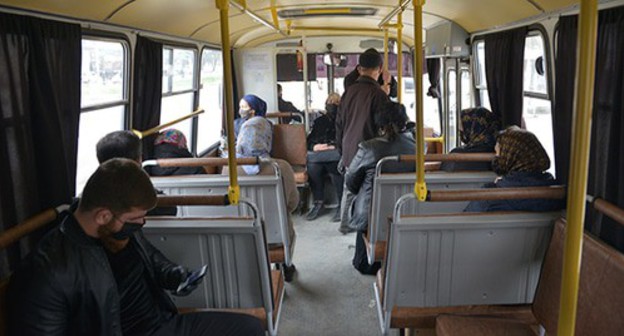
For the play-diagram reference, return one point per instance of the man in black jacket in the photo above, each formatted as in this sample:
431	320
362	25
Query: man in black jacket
96	274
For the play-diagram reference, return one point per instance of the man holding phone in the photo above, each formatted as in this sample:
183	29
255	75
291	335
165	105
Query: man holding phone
96	274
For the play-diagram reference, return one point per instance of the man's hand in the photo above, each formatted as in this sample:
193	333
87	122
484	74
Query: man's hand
385	75
322	147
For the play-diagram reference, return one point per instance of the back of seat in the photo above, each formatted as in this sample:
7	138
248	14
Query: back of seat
388	188
234	250
465	259
601	294
289	144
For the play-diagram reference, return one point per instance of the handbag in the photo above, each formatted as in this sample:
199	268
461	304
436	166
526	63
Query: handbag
324	156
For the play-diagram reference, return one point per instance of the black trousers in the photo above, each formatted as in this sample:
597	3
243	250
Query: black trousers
317	172
360	258
211	324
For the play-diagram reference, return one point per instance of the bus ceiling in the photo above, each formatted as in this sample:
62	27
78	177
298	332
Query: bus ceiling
254	23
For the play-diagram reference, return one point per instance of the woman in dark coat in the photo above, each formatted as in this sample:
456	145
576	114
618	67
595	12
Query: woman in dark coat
395	139
323	157
520	161
170	144
478	133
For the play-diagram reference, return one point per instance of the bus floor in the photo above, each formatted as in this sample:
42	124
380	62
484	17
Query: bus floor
327	296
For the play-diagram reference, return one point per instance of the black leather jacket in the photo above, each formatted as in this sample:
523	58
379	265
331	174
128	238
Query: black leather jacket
66	285
361	172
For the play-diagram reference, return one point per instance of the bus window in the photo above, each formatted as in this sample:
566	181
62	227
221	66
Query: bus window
536	109
452	112
481	81
177	87
210	99
103	100
466	85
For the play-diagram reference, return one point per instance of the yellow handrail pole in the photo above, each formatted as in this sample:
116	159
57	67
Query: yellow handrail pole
584	93
385	67
234	189
142	134
420	188
400	55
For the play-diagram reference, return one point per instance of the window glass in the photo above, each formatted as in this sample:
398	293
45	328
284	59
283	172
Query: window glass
93	126
466	84
538	119
431	108
103	81
452	113
534	50
102	73
176	106
481	80
210	99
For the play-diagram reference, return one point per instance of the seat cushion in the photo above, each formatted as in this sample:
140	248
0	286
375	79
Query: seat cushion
450	325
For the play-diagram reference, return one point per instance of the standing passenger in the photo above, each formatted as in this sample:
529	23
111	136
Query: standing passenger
96	274
355	119
479	128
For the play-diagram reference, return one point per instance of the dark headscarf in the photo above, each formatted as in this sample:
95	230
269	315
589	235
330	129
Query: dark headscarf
480	127
520	151
256	104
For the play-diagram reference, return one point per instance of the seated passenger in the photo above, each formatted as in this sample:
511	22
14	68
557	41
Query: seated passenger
286	106
323	157
520	161
96	274
171	144
479	128
394	139
249	106
255	140
127	145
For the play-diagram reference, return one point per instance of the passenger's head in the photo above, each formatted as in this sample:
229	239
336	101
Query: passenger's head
519	150
251	105
370	63
119	144
171	136
118	192
279	90
392	120
479	127
331	104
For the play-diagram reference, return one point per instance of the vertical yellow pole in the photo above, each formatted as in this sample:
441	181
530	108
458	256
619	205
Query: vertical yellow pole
234	189
420	188
385	49
577	188
400	55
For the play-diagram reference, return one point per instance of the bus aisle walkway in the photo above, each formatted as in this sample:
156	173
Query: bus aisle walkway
328	296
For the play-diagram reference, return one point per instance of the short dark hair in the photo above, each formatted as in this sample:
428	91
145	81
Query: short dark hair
119	144
119	185
392	119
370	59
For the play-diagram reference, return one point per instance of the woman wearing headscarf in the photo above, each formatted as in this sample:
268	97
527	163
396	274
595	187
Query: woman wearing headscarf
323	157
171	143
479	128
249	106
520	161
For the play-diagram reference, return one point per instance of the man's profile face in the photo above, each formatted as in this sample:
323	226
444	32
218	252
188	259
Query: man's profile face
134	216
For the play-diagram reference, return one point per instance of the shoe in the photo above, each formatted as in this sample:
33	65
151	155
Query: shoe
345	230
315	211
336	217
289	272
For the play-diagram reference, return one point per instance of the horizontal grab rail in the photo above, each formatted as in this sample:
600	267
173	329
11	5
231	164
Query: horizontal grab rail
553	192
609	209
199	162
168	201
29	226
460	157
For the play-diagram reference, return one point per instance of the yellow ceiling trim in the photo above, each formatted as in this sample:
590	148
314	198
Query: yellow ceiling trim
316	11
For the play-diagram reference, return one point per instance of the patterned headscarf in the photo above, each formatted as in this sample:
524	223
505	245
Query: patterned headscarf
479	127
171	136
520	151
256	104
255	138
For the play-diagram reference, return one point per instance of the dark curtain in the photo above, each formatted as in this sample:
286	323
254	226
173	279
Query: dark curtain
504	57
287	68
606	164
433	72
148	64
39	108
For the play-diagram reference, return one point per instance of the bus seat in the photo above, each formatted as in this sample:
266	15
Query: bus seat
239	277
437	262
266	191
600	293
387	188
432	147
289	144
213	153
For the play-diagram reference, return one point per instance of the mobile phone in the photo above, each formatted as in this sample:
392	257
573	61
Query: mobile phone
193	278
